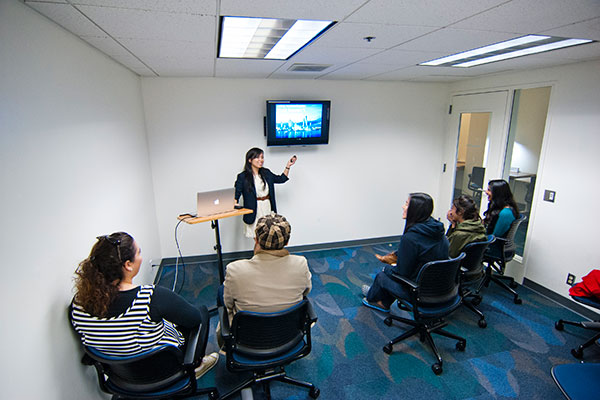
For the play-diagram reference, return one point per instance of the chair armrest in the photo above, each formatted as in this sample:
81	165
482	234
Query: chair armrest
192	344
311	312
403	280
224	322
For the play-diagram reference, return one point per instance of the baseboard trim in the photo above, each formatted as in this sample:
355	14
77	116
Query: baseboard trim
236	255
563	301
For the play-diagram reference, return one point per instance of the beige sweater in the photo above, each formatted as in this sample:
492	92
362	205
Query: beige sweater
272	280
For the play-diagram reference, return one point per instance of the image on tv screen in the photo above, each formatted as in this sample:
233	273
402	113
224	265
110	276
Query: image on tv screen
298	121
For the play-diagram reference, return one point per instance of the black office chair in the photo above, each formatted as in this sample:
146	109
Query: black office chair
498	255
593	326
475	183
163	372
578	381
434	295
265	342
472	276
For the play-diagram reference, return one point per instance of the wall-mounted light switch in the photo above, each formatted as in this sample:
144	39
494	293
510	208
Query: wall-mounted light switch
549	195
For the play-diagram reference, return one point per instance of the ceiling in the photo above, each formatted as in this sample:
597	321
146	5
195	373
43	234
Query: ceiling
178	38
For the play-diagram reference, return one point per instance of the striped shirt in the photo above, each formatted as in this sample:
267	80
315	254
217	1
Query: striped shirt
129	333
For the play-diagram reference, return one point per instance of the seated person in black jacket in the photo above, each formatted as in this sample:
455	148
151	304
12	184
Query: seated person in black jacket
423	241
119	319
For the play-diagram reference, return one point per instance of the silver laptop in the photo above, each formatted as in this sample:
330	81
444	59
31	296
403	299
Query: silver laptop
215	202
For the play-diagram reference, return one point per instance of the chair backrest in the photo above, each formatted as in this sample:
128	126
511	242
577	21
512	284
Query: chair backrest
509	240
271	335
145	372
437	282
476	178
473	261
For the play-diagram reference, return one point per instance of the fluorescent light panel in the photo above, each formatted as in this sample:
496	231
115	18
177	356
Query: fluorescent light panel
270	38
530	44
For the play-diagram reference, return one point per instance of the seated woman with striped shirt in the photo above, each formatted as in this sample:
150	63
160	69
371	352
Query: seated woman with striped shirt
120	319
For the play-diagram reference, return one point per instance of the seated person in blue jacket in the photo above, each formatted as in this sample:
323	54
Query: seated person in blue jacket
501	212
119	319
423	241
465	224
256	184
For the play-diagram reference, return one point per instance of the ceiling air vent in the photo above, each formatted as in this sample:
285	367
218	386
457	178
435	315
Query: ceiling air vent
309	67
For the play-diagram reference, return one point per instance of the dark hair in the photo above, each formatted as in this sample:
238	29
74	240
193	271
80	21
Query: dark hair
96	275
466	207
501	197
251	154
420	207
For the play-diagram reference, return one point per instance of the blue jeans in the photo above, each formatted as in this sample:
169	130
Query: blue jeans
387	290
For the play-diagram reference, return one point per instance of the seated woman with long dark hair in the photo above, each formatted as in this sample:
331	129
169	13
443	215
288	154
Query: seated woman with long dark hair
120	319
423	241
465	224
502	209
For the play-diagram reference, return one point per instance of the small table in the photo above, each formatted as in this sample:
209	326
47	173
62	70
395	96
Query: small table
214	223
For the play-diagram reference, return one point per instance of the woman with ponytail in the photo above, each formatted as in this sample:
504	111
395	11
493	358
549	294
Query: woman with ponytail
118	318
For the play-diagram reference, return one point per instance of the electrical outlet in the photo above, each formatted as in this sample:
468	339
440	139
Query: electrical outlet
570	279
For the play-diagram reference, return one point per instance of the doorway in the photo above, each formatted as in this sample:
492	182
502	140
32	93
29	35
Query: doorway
524	145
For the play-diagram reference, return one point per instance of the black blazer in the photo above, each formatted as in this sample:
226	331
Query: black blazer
248	191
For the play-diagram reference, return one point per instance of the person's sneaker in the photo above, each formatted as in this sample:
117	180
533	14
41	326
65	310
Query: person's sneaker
365	289
208	362
374	306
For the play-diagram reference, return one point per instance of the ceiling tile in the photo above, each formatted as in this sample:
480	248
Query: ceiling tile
67	17
134	65
208	7
333	10
149	25
359	71
402	58
173	58
386	36
450	41
238	68
581	30
532	16
436	13
331	55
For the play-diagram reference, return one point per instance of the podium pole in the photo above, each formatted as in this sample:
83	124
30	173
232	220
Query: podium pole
215	225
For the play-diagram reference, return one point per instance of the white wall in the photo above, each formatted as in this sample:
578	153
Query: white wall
385	142
73	165
563	235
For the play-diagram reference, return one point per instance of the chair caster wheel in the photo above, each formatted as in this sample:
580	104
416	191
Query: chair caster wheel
482	323
387	349
460	346
558	325
577	353
388	321
513	285
314	392
213	395
437	368
518	301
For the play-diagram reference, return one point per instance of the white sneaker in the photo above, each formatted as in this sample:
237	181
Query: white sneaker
208	362
365	290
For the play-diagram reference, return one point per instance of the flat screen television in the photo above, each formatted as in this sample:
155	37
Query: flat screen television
293	122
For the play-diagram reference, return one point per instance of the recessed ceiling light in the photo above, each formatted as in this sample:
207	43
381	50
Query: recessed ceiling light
268	38
530	44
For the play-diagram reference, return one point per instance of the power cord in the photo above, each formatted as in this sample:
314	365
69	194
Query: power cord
180	256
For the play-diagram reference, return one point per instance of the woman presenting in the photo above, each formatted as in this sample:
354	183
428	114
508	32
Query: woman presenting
257	186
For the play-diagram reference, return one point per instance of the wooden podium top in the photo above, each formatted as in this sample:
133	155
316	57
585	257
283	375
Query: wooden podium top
197	220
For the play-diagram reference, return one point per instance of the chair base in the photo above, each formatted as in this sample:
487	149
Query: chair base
589	325
493	275
265	377
471	305
424	330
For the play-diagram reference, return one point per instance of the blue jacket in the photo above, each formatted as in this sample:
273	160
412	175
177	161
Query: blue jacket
423	242
248	191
